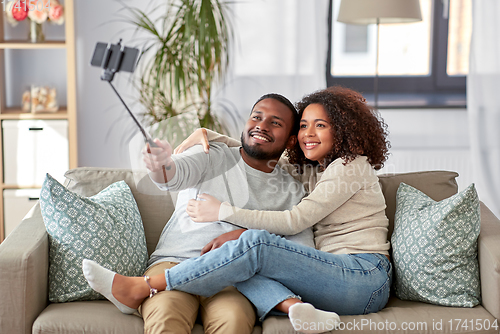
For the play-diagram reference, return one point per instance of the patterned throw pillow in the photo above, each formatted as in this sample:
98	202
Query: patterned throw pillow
435	247
106	228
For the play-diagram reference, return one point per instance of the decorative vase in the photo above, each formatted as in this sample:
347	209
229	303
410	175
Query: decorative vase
36	32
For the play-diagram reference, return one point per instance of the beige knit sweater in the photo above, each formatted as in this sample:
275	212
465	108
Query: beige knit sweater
345	206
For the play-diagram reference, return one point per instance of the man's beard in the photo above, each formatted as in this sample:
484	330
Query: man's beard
257	153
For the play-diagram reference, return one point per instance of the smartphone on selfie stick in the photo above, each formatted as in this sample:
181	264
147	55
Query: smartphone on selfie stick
113	58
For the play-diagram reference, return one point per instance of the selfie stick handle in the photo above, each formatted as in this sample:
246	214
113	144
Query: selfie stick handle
108	75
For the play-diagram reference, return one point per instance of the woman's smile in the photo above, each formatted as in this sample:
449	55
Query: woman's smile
311	145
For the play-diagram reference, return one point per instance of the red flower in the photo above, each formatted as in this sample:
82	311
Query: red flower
19	11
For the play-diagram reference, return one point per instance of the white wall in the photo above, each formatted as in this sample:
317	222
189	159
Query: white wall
103	124
421	139
429	139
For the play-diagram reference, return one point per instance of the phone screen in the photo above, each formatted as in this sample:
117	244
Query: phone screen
129	60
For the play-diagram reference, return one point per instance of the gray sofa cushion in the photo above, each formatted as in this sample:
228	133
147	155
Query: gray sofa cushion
99	317
404	317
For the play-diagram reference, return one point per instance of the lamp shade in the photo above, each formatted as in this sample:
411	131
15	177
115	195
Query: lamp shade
379	11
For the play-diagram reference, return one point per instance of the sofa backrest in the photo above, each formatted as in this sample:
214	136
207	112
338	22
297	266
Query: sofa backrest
157	206
438	185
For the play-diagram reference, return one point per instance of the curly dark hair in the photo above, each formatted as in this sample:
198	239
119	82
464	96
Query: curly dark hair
357	128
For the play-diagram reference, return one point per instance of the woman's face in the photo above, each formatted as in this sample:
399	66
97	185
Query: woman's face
315	133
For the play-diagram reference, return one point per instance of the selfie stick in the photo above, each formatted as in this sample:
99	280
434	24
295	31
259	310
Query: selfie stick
108	74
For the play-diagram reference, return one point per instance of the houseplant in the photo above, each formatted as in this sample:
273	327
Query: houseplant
186	56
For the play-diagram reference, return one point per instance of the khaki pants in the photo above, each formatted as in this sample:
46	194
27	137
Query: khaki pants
175	311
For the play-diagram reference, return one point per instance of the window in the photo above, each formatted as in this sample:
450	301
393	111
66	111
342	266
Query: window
459	32
420	64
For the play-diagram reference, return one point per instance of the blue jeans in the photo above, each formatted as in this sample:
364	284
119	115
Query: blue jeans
347	284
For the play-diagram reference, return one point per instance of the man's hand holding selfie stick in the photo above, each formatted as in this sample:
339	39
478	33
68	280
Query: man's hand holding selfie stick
159	161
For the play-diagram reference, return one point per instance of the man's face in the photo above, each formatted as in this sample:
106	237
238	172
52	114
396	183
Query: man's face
267	131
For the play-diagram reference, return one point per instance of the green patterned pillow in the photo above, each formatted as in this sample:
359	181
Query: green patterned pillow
106	228
435	247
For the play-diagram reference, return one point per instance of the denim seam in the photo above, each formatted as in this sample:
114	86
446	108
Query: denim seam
384	263
279	301
219	265
376	293
314	257
167	280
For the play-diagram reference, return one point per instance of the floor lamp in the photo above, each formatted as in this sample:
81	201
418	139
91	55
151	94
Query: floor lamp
378	12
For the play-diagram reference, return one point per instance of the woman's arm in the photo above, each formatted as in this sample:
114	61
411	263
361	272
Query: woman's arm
335	187
312	209
217	137
204	136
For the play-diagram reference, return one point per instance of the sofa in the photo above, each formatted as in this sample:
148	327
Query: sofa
24	262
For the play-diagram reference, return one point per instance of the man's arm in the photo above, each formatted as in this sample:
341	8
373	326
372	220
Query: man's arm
185	170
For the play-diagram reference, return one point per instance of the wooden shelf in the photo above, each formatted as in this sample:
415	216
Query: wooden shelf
17	113
34	46
67	112
13	186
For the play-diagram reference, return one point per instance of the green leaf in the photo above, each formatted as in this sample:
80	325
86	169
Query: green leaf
189	55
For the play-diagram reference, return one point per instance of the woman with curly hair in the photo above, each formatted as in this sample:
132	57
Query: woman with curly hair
341	143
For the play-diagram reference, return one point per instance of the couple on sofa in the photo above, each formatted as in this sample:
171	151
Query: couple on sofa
334	144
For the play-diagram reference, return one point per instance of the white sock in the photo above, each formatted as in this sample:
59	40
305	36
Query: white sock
101	280
307	319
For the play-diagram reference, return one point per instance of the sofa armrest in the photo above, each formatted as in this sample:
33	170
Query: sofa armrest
24	263
489	261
